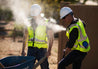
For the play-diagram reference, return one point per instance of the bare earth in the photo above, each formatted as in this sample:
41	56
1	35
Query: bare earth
10	48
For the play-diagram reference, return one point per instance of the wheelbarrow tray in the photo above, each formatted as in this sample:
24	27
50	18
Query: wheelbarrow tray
18	62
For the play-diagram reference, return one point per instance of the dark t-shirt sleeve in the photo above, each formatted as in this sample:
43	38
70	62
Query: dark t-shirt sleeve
72	38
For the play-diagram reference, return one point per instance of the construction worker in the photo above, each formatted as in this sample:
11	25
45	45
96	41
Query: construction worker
38	38
78	42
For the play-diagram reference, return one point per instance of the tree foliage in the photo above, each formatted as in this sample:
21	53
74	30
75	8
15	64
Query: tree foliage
52	7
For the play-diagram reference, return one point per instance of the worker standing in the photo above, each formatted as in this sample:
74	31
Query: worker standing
78	43
38	38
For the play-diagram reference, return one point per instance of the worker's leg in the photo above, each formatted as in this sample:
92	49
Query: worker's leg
77	65
66	61
41	54
32	52
78	61
69	59
45	64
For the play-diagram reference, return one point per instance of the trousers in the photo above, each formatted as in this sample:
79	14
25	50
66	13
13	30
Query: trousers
75	58
38	54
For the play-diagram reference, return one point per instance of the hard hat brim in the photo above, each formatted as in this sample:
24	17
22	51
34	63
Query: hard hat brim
64	12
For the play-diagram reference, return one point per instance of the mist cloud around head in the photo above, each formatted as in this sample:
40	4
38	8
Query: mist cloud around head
21	12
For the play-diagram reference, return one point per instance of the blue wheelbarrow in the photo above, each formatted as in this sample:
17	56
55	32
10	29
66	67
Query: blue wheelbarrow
17	62
20	62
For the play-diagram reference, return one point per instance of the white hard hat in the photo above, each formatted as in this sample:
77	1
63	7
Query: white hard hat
35	10
65	11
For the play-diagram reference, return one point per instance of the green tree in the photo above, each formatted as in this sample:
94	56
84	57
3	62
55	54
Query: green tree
72	1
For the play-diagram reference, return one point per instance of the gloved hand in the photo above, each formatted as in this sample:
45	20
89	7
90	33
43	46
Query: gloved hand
66	51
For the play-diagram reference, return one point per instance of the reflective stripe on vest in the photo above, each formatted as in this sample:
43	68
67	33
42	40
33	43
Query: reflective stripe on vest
82	37
40	39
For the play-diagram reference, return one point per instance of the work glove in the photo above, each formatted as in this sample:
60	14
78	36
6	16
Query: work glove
66	51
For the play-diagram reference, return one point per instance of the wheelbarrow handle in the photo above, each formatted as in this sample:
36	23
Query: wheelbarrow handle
1	65
39	62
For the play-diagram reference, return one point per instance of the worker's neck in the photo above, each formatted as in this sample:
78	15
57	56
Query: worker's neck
71	20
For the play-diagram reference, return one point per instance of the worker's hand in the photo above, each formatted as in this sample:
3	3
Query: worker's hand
64	50
67	50
48	54
23	54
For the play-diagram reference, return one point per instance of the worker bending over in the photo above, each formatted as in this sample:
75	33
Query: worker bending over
78	43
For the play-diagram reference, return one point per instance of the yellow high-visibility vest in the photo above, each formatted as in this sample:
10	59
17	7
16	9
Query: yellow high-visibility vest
82	43
38	38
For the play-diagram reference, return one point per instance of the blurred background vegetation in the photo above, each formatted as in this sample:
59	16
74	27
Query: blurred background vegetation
50	8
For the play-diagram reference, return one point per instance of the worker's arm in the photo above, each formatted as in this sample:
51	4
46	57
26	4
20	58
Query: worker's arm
72	39
50	39
25	39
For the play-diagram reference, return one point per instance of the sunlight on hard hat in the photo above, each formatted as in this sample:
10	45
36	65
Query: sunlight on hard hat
65	11
35	10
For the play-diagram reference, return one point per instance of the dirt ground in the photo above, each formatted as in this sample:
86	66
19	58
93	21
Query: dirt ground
10	48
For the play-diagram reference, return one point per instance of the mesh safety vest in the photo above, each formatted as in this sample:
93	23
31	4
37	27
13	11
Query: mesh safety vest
38	38
82	42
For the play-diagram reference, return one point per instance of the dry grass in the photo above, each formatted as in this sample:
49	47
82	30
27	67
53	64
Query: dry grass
10	48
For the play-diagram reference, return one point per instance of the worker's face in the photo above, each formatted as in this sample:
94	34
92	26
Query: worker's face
67	20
